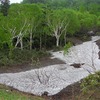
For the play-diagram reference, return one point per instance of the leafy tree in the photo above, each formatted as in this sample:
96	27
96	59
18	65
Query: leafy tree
62	21
35	22
38	21
98	23
92	6
4	7
27	18
56	23
94	9
87	21
34	1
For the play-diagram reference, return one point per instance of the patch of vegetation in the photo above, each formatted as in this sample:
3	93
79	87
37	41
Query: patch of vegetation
19	56
90	95
90	87
66	47
91	82
7	93
57	48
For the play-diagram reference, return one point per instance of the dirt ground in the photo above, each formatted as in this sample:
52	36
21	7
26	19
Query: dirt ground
68	93
42	62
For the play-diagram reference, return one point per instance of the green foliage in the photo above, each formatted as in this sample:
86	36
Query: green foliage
38	25
33	19
20	23
18	56
93	6
74	24
66	47
4	7
91	82
98	22
34	1
87	21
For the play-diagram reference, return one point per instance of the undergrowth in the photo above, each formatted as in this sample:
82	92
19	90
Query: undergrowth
90	87
17	56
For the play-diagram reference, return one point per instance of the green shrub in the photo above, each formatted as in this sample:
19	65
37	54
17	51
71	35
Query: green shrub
18	56
91	82
66	47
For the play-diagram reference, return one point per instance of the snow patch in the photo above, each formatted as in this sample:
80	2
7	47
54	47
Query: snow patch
54	78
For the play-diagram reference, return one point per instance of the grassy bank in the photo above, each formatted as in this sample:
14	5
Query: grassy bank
7	93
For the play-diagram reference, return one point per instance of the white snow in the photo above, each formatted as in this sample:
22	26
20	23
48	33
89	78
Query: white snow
54	78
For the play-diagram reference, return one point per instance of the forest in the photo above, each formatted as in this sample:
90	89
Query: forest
28	30
43	24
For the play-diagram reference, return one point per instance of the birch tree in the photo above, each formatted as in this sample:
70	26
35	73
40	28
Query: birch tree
22	23
34	20
58	23
61	22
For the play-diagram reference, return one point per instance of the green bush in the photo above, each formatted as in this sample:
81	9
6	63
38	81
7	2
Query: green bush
66	47
18	56
91	82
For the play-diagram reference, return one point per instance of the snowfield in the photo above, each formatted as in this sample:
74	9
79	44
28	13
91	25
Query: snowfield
53	79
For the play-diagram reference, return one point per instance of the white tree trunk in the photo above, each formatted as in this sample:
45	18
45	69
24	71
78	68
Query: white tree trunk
21	43
57	41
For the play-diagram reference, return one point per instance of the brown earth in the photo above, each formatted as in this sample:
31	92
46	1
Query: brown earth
42	62
68	93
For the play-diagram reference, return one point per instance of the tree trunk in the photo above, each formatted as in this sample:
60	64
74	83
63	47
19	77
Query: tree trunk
21	43
57	41
31	41
45	37
65	39
40	42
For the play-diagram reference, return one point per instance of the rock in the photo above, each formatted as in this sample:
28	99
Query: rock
91	33
99	54
45	93
77	65
98	43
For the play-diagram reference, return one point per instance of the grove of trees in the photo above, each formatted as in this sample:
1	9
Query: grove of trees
38	24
